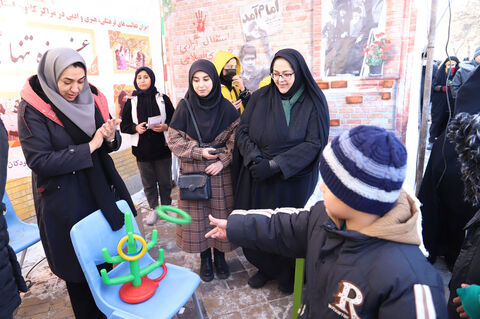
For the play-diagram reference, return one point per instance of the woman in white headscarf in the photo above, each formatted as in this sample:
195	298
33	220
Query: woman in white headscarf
66	134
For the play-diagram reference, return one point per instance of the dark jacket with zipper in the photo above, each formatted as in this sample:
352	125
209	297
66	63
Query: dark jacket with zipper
349	274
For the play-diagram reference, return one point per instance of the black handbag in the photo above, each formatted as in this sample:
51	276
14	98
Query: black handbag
194	185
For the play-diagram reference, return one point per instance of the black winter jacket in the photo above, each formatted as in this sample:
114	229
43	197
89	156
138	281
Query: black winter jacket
348	274
466	269
11	280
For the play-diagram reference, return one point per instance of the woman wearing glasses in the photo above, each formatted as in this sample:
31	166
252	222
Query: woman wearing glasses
278	143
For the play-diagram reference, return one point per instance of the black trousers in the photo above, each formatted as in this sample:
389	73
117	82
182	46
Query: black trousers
272	266
82	301
81	298
157	178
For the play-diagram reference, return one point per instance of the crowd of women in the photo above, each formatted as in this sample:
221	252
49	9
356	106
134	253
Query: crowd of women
259	150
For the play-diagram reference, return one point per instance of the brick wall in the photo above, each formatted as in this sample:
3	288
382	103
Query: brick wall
352	100
20	190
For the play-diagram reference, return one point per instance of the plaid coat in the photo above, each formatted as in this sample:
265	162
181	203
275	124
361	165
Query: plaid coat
191	237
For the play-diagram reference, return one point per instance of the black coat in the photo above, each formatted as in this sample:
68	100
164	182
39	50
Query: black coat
383	272
60	185
467	264
151	145
293	185
11	280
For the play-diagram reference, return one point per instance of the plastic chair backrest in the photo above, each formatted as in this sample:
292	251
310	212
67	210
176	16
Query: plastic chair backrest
93	233
89	248
22	235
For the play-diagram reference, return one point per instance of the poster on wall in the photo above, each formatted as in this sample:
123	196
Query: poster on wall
17	166
21	49
260	19
349	24
129	51
121	93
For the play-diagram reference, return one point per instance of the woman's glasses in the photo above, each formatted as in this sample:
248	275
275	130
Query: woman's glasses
285	76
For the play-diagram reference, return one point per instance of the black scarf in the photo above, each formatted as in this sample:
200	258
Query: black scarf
213	113
104	182
271	116
146	99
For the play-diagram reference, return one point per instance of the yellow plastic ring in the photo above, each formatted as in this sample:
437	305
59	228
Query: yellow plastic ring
137	256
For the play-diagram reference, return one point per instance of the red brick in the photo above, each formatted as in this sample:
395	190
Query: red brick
338	84
386	95
354	99
334	122
388	84
324	85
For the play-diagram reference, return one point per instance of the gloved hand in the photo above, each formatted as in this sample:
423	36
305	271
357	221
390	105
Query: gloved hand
261	170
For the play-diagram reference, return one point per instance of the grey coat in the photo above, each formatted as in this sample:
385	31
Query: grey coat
462	75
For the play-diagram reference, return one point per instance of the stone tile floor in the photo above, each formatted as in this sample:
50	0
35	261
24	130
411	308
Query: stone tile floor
230	299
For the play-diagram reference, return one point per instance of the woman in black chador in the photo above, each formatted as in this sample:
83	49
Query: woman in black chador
444	210
441	106
278	143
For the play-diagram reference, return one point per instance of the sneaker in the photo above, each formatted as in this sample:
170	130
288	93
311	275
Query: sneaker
152	217
258	280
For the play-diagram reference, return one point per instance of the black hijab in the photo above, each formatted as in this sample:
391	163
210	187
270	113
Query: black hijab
213	113
147	105
441	75
271	96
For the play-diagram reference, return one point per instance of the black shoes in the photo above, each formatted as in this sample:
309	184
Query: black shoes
206	267
258	280
221	266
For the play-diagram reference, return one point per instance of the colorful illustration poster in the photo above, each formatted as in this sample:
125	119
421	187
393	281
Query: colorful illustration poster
121	93
17	166
129	51
22	48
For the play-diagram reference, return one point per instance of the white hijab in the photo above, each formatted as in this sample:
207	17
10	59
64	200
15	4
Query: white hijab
82	110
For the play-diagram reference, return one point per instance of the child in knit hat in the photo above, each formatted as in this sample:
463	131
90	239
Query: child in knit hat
360	243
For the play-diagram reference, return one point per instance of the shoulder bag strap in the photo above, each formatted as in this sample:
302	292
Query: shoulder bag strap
194	122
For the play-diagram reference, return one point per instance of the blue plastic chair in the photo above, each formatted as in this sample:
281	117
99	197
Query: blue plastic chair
93	233
22	235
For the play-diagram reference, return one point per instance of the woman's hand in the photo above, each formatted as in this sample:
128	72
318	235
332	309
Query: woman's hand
214	168
206	153
237	79
141	128
96	141
108	129
159	128
237	104
220	231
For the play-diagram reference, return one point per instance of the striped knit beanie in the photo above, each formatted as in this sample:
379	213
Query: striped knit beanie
365	168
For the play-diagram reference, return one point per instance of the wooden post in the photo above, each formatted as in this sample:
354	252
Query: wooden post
426	97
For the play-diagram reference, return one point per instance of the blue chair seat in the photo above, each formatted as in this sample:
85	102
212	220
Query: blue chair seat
93	233
22	235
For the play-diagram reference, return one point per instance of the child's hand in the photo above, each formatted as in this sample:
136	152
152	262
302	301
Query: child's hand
218	232
457	301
